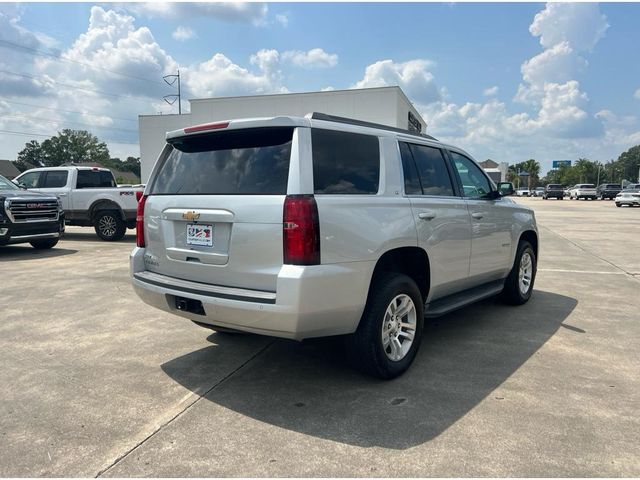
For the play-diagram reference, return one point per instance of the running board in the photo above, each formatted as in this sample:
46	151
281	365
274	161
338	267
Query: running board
458	300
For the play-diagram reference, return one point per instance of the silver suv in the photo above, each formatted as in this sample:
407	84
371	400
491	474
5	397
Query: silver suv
316	226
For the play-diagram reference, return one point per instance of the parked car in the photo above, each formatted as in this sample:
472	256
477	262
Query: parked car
628	196
29	217
308	227
583	190
90	197
538	192
523	192
553	190
608	190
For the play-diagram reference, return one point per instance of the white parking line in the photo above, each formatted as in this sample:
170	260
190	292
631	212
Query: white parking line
579	271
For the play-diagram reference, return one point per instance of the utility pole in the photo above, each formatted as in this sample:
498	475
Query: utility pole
175	97
598	182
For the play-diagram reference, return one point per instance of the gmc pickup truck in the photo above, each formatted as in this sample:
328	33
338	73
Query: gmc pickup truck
29	217
90	197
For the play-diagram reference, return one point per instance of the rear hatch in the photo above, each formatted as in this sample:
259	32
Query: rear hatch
215	208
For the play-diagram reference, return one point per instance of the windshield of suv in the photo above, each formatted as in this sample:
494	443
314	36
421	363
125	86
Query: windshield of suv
7	184
236	162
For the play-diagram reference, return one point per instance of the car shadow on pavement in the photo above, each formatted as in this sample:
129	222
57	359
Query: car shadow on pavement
309	387
90	236
12	253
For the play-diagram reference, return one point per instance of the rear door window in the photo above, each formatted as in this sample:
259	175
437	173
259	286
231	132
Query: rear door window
55	179
236	162
431	169
345	162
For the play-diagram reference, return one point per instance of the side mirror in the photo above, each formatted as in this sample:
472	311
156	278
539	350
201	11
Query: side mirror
505	189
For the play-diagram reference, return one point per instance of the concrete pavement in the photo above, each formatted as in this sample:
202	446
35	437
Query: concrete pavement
97	383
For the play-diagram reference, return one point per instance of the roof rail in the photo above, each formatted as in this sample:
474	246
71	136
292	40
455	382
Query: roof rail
362	123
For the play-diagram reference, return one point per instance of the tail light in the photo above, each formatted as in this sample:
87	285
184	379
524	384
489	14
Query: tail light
140	222
138	195
301	230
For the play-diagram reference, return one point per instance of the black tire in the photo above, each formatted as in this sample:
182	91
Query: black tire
109	225
512	293
618	204
365	347
44	244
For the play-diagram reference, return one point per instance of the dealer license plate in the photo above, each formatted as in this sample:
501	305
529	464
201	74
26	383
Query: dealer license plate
200	235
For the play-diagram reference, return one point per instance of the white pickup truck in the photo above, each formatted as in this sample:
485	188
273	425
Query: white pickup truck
90	197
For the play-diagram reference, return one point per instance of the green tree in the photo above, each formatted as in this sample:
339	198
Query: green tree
628	163
68	146
532	167
30	156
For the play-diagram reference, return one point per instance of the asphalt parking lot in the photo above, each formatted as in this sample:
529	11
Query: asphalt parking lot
95	383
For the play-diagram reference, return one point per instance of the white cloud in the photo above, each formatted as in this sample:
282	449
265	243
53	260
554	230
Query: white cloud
282	19
413	77
255	13
557	64
636	95
580	24
183	33
219	76
314	58
491	91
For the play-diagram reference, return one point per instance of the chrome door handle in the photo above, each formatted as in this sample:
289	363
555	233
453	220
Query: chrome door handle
427	215
477	215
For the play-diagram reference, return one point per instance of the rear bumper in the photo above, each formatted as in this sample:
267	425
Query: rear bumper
313	301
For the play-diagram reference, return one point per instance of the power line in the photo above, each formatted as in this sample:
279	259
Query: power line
66	111
75	87
35	51
57	122
42	53
31	134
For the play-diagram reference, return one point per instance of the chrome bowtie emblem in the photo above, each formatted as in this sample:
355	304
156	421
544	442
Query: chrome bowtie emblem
191	215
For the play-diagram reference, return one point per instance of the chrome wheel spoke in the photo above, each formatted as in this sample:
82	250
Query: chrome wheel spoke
399	327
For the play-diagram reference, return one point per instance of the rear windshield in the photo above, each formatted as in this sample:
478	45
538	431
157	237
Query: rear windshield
586	185
612	185
554	186
237	162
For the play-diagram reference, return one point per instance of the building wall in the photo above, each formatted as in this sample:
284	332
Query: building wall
385	105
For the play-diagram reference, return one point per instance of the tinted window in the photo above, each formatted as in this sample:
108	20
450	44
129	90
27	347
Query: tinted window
345	163
474	183
30	180
95	179
236	162
55	179
432	170
411	182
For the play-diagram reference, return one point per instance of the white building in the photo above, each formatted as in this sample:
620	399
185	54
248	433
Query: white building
385	105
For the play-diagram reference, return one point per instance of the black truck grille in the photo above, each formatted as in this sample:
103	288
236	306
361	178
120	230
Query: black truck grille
32	210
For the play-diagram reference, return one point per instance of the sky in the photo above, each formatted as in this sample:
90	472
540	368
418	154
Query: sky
506	81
